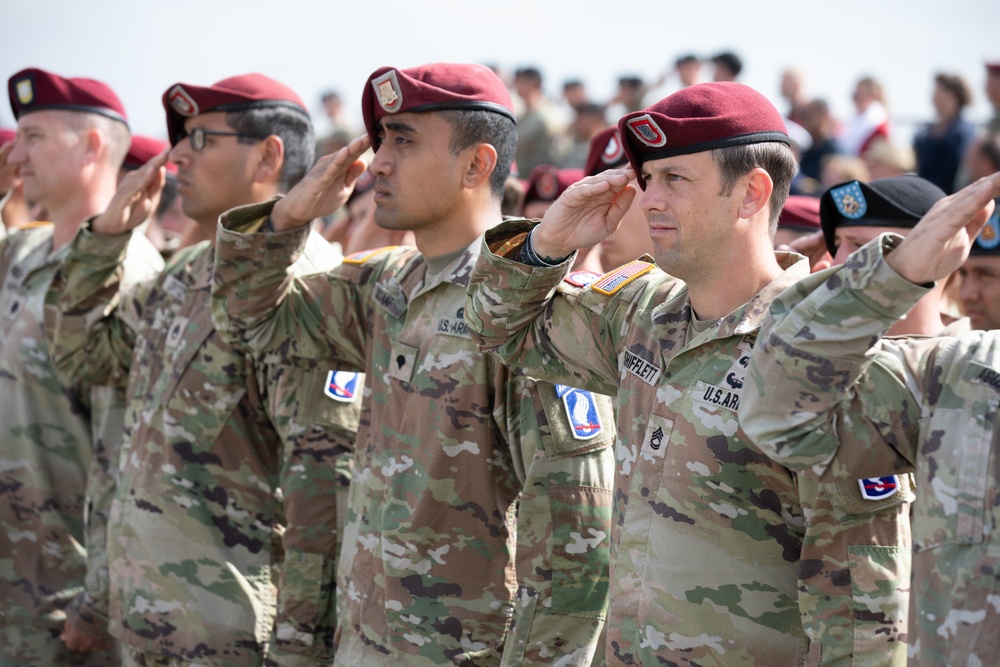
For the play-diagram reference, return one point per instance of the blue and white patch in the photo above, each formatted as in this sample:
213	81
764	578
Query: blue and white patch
581	410
877	488
850	201
989	237
341	386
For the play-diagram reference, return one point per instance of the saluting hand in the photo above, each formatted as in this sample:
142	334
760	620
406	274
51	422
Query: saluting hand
8	172
587	213
941	241
324	189
137	197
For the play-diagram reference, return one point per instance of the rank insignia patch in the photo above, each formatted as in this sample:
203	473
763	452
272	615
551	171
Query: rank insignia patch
615	280
581	410
850	201
182	102
877	488
647	131
387	91
989	238
341	386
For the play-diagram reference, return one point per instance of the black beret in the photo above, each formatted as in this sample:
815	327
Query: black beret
897	201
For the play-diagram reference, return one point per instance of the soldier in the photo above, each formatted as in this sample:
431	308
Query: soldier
707	539
979	290
854	212
479	516
827	396
58	439
210	497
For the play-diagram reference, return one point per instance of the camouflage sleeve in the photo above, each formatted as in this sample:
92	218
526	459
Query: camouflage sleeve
260	304
821	398
561	441
514	310
89	610
317	428
90	332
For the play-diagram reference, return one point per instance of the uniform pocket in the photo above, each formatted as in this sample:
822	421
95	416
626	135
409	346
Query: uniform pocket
581	531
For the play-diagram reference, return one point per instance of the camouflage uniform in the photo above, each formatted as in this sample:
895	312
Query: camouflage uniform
477	523
57	440
845	410
205	486
708	533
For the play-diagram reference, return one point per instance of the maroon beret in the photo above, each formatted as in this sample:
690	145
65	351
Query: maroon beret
237	93
993	67
547	182
143	149
606	152
7	136
800	212
34	89
699	118
434	87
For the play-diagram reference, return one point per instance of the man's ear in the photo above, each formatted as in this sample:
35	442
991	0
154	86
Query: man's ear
482	162
757	189
271	160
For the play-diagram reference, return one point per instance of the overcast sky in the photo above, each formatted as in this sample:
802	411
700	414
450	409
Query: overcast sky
141	47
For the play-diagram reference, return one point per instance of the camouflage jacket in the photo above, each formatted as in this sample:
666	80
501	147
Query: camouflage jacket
206	483
477	528
829	397
58	444
712	560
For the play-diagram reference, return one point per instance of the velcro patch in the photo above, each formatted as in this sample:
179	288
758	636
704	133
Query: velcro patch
615	280
581	410
642	369
877	488
364	255
341	385
984	375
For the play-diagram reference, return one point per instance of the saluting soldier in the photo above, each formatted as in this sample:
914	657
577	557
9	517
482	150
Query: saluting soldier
707	560
479	514
226	470
830	394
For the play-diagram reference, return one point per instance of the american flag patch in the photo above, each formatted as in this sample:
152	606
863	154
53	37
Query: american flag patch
620	277
364	255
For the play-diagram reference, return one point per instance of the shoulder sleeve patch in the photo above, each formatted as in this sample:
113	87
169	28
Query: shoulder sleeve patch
365	255
581	278
615	280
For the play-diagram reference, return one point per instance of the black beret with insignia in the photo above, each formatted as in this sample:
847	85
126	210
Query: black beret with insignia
897	201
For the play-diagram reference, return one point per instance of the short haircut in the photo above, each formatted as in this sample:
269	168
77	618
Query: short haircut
957	86
529	74
117	137
774	157
293	128
470	127
686	59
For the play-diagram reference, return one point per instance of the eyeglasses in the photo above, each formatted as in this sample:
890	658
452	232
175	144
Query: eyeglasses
197	136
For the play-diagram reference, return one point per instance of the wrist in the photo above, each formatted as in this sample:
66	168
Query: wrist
531	256
546	251
281	220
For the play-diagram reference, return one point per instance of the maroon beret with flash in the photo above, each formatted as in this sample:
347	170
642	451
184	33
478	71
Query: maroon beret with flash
143	149
606	152
434	87
237	93
699	118
34	89
547	182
